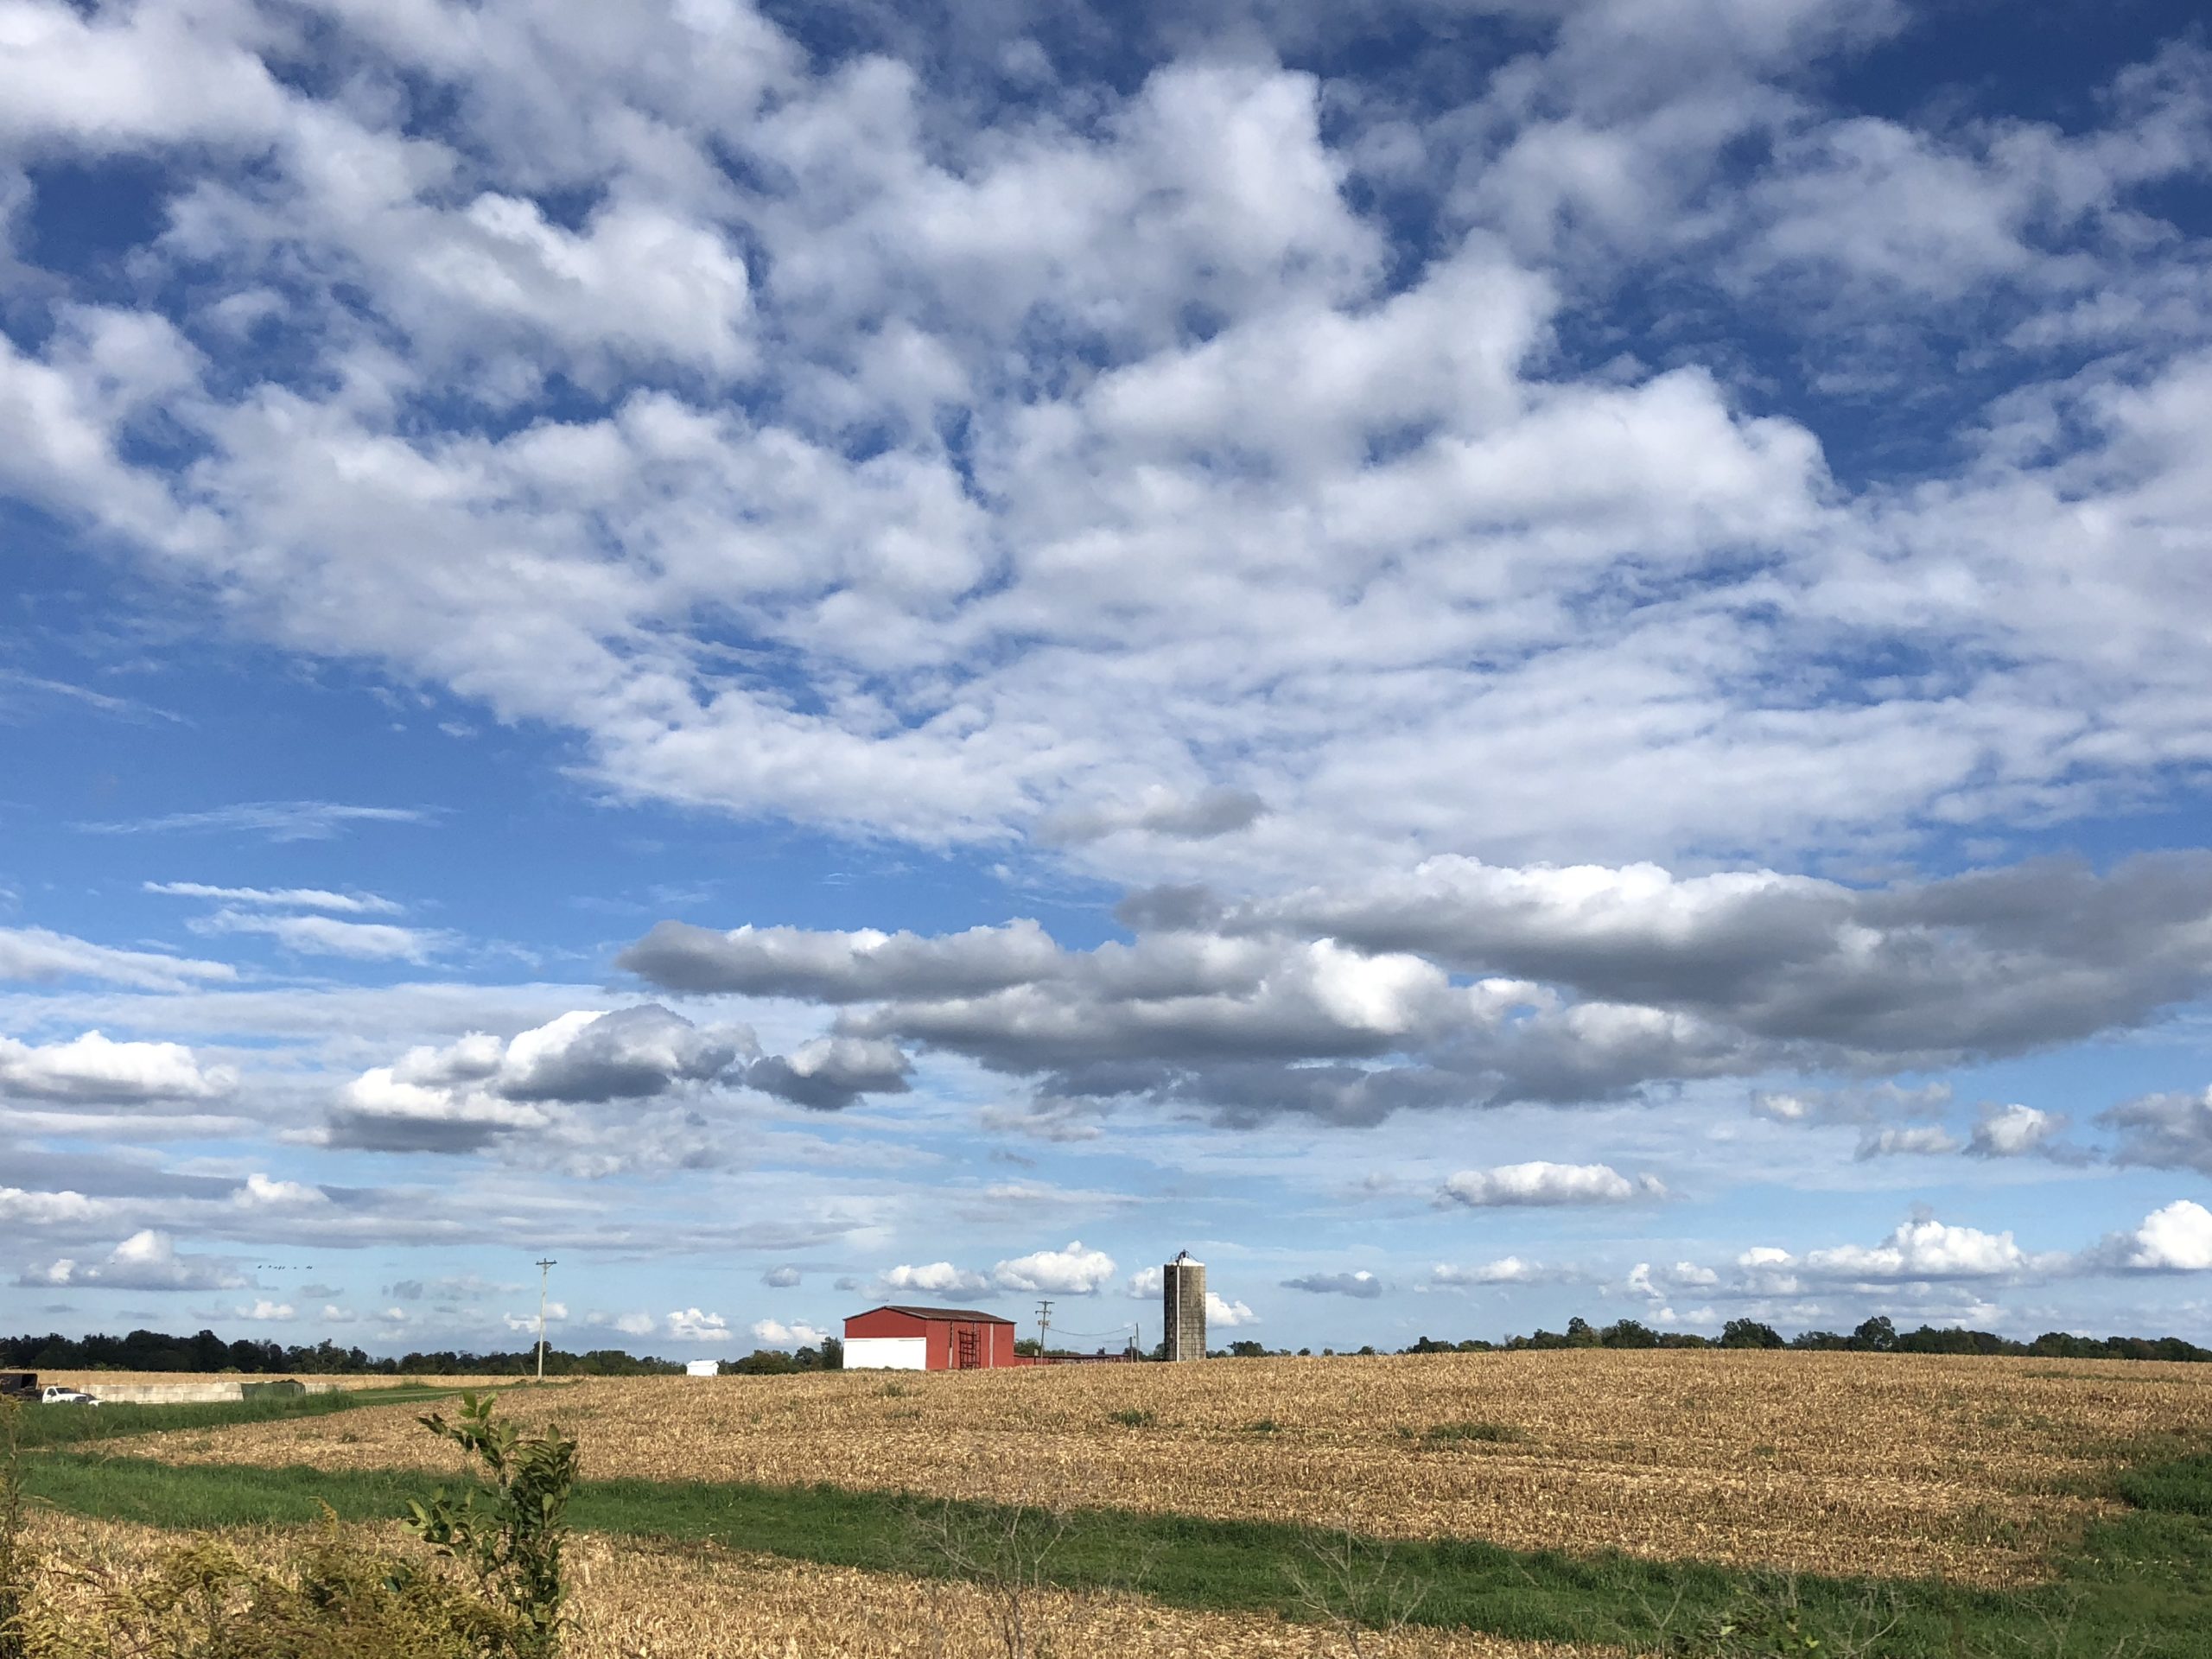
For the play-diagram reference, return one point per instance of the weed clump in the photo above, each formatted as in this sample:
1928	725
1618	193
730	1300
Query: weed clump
204	1600
330	1599
1495	1433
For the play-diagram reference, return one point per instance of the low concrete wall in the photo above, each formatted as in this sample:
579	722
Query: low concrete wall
165	1394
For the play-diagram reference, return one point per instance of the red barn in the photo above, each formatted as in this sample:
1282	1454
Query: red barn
927	1339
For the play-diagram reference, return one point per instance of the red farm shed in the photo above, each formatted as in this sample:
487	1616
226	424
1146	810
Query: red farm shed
927	1339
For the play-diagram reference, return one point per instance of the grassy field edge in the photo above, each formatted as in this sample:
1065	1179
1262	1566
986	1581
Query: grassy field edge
40	1428
2142	1580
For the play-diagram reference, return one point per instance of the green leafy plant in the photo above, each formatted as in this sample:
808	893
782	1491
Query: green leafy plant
1769	1621
508	1531
1132	1417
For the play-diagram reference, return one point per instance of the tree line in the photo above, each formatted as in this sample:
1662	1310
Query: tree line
1879	1335
155	1350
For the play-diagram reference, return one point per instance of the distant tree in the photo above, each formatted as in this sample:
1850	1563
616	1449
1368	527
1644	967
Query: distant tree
1749	1333
1580	1333
1875	1336
1248	1349
1030	1348
833	1353
1628	1333
766	1361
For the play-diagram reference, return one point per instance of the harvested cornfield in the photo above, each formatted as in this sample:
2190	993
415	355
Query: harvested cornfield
1970	1469
631	1600
95	1380
1838	1463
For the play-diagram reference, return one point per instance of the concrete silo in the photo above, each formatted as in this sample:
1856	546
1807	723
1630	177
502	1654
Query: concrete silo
1183	1307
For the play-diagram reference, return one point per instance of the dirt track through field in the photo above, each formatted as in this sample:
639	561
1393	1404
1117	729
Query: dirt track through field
1970	1469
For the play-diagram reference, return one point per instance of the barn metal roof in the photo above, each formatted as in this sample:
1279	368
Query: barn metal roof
967	1314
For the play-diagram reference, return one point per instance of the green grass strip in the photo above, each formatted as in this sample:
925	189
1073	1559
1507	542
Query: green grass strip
2141	1584
38	1427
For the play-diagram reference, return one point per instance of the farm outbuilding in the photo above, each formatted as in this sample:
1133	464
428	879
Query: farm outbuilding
898	1338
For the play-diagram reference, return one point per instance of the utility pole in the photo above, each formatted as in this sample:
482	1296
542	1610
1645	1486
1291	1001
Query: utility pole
542	1268
1043	1328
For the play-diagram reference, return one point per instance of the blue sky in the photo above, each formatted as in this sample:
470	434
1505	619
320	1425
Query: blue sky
1482	660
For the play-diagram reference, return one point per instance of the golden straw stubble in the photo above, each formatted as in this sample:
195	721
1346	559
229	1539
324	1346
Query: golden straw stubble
631	1600
1970	1468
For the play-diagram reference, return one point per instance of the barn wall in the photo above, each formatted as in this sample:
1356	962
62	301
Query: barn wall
887	1354
994	1344
884	1322
938	1340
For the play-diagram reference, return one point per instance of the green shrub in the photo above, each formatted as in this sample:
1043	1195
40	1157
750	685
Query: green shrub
1132	1417
509	1531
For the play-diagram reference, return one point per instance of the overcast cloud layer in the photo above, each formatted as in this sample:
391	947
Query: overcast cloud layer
807	653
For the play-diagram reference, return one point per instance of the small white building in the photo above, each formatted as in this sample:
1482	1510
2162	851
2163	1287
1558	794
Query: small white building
702	1368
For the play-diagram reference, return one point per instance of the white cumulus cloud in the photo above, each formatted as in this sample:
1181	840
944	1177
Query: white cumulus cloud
148	1260
1542	1183
92	1070
1224	1314
691	1325
1074	1271
2175	1238
933	1278
2014	1131
1506	1270
774	1333
469	1093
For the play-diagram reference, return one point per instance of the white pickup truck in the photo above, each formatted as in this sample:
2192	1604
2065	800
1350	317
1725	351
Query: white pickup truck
54	1394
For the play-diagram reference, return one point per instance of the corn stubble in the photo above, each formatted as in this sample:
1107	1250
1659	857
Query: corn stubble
1972	1468
636	1601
